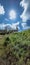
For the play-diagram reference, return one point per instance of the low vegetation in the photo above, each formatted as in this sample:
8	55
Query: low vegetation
15	48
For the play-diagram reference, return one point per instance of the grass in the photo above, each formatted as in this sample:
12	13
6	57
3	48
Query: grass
15	48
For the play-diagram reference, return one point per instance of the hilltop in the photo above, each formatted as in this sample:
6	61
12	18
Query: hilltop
15	48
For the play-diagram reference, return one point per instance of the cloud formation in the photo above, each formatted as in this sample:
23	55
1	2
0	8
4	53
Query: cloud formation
2	11
12	14
14	25
10	26
26	13
24	25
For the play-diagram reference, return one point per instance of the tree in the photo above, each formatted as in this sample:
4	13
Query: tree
17	28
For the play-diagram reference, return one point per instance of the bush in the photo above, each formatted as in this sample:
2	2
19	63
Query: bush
7	41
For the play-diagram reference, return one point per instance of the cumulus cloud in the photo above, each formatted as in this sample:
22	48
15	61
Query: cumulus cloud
26	13
14	25
2	11
10	26
12	14
24	25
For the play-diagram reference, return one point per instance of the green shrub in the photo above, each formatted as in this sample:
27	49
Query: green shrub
7	41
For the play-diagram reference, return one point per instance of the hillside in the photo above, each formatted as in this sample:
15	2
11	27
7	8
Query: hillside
15	48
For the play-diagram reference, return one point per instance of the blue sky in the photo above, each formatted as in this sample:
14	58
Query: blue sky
22	9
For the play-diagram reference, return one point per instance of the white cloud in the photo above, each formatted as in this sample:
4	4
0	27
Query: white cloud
14	25
2	11
26	13
10	26
12	14
2	26
24	26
